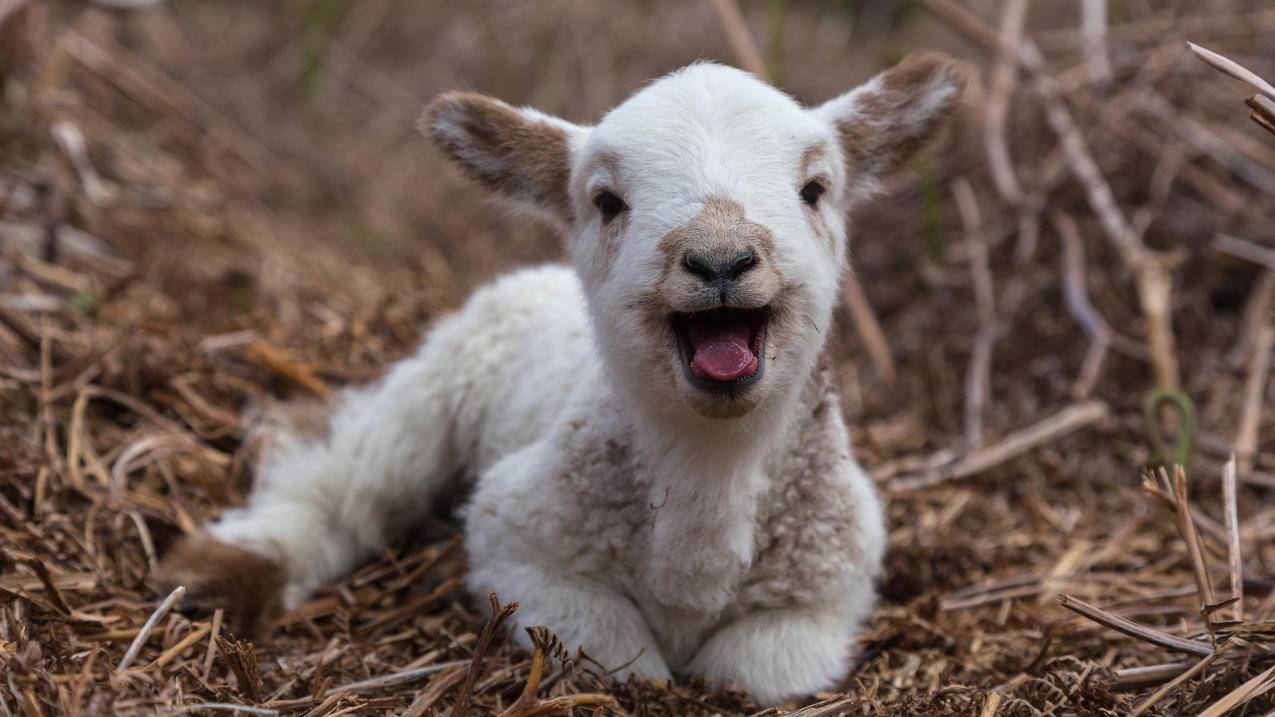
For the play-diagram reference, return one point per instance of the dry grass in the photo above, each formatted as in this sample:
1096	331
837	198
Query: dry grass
208	207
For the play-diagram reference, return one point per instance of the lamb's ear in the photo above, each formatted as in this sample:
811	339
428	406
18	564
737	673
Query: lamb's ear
886	121
521	154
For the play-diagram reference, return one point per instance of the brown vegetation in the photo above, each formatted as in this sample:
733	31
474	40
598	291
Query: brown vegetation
207	207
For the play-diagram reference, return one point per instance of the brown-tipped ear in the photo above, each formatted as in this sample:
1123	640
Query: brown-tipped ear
520	154
886	121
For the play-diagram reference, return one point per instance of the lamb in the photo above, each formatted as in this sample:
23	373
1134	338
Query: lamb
659	468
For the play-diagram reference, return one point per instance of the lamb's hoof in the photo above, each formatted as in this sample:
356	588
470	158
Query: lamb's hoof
248	586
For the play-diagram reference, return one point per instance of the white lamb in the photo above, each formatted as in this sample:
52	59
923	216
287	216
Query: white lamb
660	471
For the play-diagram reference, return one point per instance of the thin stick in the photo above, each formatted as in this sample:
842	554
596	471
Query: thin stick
1154	282
131	654
1245	692
1178	681
1076	292
1254	394
218	616
227	707
1244	249
1133	629
855	301
1093	24
1257	311
396	678
740	39
940	467
1004	77
1230	514
977	376
1263	111
173	652
1191	536
1233	68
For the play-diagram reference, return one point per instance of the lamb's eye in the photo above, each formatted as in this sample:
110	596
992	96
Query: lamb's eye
610	205
811	192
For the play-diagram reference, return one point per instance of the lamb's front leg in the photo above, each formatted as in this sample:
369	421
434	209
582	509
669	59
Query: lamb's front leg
779	654
319	506
583	613
533	539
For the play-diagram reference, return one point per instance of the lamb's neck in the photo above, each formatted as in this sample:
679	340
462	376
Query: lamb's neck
704	487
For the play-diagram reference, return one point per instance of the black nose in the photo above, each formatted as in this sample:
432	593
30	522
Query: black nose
714	270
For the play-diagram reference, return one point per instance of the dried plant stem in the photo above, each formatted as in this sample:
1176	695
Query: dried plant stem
1133	629
1077	295
1257	313
1230	513
1154	282
1191	536
1004	78
395	678
1255	687
977	376
1093	24
218	615
199	633
740	39
1233	68
228	707
1178	681
940	467
136	647
1254	396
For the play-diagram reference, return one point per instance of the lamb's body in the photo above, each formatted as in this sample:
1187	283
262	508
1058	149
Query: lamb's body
507	393
660	472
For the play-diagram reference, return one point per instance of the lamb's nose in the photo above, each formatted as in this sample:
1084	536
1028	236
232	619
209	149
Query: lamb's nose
715	269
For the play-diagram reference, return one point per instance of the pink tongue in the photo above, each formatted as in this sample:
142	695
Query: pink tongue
721	350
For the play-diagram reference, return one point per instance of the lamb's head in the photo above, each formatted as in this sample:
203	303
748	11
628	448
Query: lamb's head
705	215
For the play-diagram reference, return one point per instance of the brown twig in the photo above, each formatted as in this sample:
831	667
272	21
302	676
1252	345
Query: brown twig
498	617
1255	384
941	467
978	373
740	39
1180	680
1152	274
160	611
1255	687
1230	517
1077	295
1133	629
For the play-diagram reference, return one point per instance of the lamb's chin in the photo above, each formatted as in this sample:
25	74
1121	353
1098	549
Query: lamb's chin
721	403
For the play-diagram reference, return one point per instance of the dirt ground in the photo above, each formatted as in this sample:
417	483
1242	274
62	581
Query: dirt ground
208	207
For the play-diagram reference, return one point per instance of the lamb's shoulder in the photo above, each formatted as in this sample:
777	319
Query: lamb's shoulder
568	499
820	525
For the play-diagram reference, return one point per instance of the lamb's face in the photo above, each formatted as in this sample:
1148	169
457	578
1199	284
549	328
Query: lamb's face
707	226
706	216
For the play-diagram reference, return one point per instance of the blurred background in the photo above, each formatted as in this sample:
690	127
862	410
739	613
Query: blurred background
211	206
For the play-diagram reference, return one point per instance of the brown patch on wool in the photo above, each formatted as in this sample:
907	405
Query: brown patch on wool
502	148
818	221
248	586
610	232
892	124
809	157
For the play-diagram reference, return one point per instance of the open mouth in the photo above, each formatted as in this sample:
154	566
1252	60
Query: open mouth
722	347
